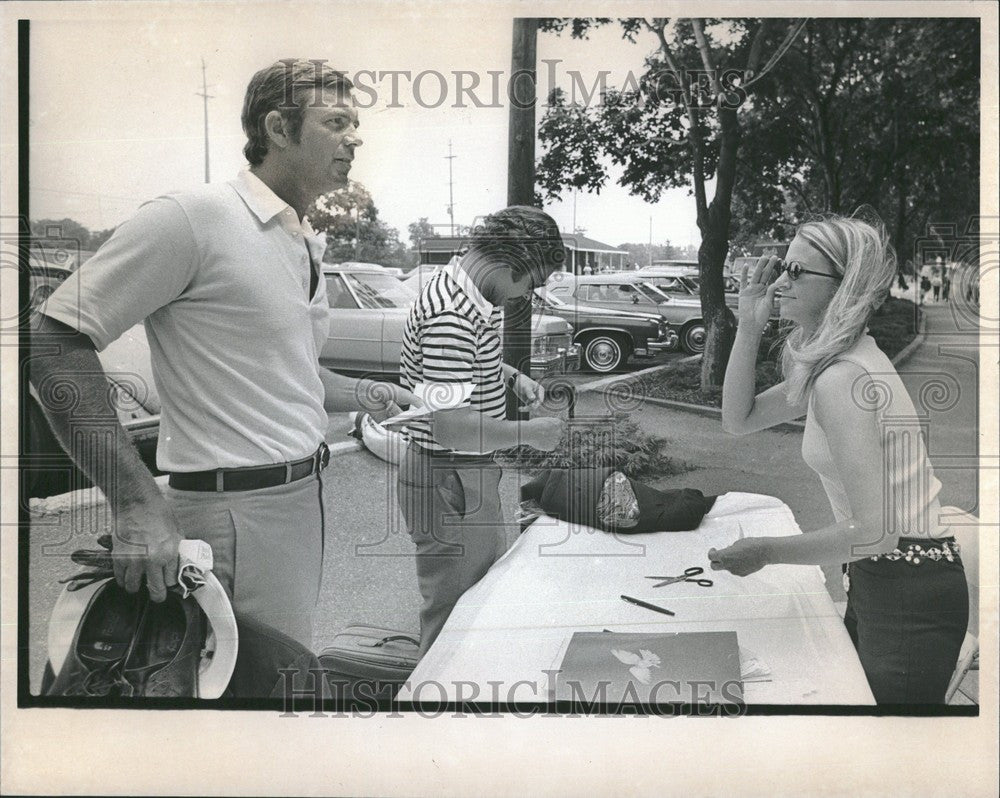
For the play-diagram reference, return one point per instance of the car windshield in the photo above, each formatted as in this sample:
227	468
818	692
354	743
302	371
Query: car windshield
376	291
549	297
654	293
729	284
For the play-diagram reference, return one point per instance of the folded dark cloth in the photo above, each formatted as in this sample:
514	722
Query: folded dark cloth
574	495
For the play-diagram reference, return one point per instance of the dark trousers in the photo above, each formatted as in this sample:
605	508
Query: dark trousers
451	504
907	623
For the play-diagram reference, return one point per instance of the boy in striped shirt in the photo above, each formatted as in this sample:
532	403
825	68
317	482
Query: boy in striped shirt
451	360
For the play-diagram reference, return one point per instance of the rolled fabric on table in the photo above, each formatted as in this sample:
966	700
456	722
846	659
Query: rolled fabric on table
581	496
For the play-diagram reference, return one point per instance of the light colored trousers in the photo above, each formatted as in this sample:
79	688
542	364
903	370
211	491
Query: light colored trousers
267	545
451	504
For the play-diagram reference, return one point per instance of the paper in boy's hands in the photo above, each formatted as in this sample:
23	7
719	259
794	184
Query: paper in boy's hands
400	420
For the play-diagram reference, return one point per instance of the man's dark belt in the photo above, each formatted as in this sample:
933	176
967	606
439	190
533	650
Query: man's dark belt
253	477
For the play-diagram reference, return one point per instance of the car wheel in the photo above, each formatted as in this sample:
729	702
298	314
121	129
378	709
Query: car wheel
604	353
693	338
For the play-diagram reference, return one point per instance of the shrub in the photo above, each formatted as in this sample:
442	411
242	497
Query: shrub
616	442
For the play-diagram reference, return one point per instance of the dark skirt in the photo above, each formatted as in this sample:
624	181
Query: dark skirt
908	623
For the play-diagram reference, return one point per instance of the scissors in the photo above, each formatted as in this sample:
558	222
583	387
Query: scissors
687	576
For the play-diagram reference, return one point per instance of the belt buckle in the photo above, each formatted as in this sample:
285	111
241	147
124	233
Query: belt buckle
321	458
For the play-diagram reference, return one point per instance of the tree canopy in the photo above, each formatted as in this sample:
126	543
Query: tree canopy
789	118
354	230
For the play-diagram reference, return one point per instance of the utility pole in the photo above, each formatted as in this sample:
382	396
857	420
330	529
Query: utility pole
520	186
574	211
451	196
357	232
206	97
650	240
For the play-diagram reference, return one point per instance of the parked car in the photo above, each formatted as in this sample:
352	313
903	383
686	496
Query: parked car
368	310
626	291
607	337
685	282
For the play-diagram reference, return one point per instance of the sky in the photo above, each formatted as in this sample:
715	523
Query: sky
115	116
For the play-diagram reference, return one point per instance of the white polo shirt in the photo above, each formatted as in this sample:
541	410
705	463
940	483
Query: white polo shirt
220	275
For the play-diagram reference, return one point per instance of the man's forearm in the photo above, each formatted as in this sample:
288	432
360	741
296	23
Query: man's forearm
344	394
65	365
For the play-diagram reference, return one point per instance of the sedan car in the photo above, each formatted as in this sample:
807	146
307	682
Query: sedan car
368	310
624	291
607	337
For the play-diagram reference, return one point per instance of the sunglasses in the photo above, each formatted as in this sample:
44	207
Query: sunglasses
793	269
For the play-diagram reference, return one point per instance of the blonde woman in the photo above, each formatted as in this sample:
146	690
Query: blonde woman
907	607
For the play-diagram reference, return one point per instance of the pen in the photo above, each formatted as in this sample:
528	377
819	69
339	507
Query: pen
648	606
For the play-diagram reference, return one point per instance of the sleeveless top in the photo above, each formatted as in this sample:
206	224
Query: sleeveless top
910	489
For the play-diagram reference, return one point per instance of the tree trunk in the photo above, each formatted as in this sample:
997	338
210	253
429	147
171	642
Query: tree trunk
720	325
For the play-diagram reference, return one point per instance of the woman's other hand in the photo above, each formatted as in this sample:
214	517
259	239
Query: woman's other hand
744	557
757	292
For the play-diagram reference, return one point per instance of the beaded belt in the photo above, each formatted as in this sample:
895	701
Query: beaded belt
914	554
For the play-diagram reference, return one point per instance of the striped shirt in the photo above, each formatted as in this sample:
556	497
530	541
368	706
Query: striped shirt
452	350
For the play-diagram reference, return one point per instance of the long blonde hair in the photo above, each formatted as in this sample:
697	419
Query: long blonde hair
862	255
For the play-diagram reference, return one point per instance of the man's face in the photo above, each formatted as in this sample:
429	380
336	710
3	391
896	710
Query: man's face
327	140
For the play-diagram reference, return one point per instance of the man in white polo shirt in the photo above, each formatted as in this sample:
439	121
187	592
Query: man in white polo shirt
227	280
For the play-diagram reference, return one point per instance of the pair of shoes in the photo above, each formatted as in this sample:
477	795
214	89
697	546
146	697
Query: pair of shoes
167	648
101	642
127	645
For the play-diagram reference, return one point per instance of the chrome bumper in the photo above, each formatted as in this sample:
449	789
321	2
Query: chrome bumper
559	362
667	341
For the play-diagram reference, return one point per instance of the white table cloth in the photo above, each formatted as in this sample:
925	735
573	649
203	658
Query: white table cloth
559	578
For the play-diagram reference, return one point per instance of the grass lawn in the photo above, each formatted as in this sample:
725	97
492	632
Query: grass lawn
893	327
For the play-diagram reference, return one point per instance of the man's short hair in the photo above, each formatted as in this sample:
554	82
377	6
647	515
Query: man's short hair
287	86
525	237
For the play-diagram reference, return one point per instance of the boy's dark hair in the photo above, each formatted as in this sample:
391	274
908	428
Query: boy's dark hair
527	238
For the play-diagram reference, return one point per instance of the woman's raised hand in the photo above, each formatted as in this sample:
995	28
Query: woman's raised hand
757	292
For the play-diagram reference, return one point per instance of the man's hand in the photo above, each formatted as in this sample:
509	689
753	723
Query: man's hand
531	393
378	397
544	433
145	544
744	557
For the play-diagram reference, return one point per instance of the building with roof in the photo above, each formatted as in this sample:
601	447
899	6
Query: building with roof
581	253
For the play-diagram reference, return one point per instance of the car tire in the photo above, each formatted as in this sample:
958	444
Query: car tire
604	353
693	338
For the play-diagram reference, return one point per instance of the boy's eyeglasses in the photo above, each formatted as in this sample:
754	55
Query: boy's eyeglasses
794	269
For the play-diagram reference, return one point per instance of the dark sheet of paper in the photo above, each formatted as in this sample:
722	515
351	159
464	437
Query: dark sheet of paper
630	667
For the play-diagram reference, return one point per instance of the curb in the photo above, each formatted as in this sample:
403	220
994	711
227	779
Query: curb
714	412
907	351
604	382
337	449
